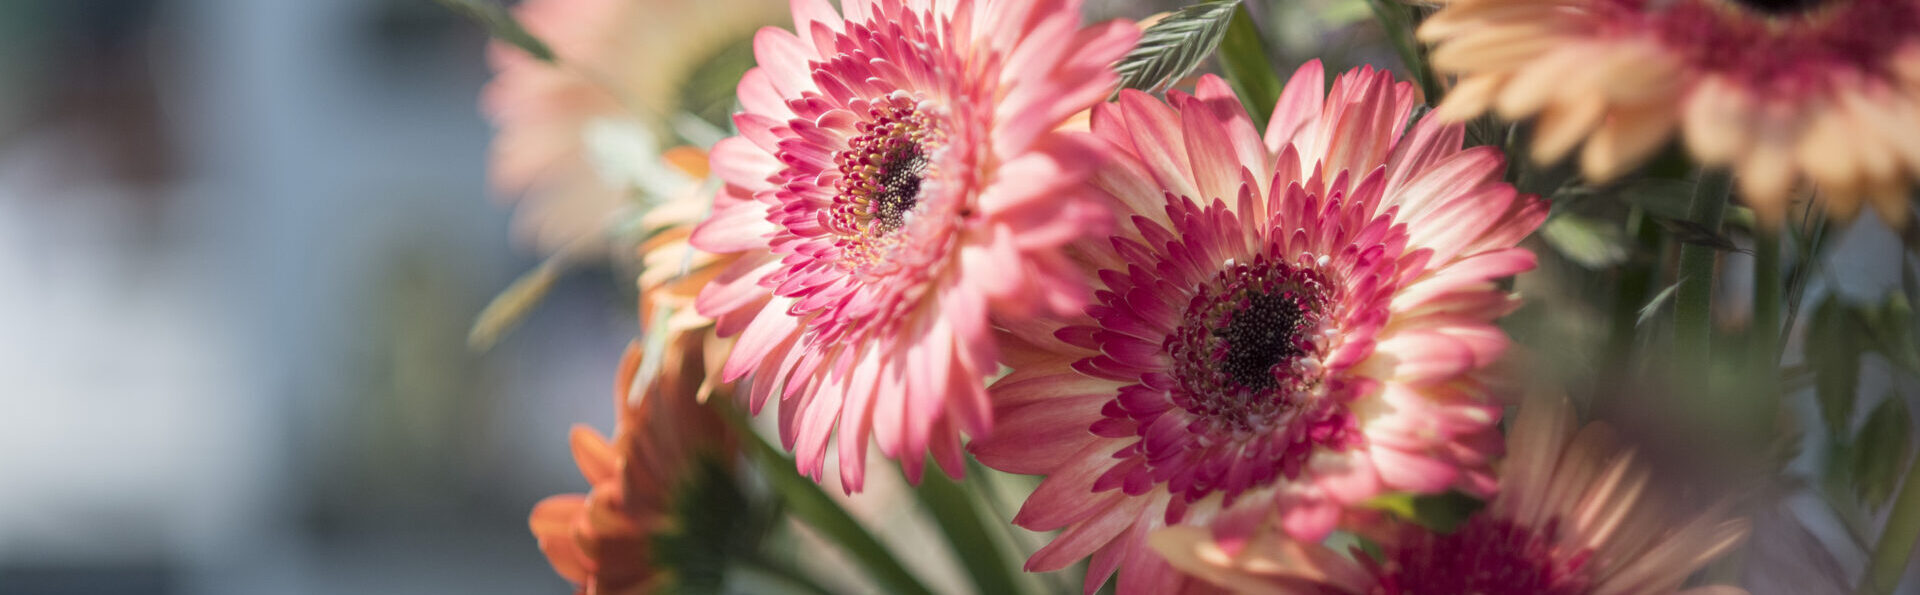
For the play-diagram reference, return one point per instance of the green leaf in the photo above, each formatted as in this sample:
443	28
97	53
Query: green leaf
1243	58
804	499
502	26
1893	332
1176	45
966	530
1654	305
1879	451
716	523
513	304
1833	352
1439	512
1592	243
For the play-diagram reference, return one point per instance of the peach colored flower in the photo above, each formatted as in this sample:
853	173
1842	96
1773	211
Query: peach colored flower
621	62
1571	519
1784	92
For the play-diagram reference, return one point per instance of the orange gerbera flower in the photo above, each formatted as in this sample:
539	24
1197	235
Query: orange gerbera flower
602	541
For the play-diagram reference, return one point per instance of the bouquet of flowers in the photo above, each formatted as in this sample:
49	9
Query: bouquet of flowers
1176	306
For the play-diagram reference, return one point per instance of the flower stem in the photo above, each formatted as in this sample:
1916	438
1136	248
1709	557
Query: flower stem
1763	341
783	572
1634	287
1890	555
966	530
1693	303
805	500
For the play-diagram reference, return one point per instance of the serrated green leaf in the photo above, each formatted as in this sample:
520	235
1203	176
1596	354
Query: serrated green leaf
1592	243
501	25
1879	451
1176	45
1243	59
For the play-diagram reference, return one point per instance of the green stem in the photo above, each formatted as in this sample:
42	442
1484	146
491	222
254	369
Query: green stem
1764	340
783	572
1693	302
805	500
1634	287
1890	555
966	531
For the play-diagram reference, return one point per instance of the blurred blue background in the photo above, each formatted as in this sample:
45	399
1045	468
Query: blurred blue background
242	241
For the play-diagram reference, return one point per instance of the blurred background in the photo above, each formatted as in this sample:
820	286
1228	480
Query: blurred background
242	244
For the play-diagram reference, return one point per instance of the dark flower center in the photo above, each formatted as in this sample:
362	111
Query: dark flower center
1262	333
881	171
1782	7
1247	349
899	186
1486	556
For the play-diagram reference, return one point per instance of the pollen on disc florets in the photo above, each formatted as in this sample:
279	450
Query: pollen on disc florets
882	171
1249	347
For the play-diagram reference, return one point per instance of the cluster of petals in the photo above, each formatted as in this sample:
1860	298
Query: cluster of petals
1285	325
603	541
617	60
1789	94
900	181
1573	517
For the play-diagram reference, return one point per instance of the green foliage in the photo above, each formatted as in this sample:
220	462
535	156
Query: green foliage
804	500
501	25
966	530
1177	44
717	523
1243	58
1876	456
1589	242
1439	512
1833	352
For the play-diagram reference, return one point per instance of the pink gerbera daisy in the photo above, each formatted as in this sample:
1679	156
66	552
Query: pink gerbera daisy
898	179
1287	326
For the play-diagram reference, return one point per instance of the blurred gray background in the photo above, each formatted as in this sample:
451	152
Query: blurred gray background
241	243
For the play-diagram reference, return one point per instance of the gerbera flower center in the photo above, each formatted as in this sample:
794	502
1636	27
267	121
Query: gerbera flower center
881	171
1486	556
1248	346
1781	7
1238	397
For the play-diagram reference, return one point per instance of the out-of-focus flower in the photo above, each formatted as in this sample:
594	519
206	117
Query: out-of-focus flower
621	66
673	273
1288	326
1571	519
1781	91
898	179
603	541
